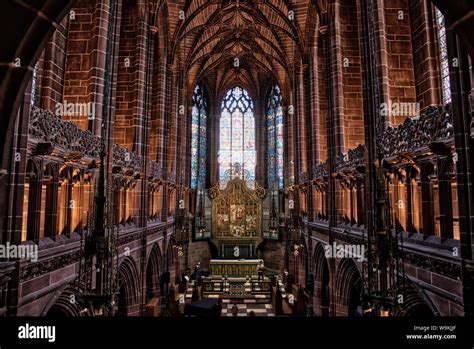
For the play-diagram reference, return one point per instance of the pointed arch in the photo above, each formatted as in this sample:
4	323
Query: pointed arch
349	287
153	270
129	282
321	276
237	134
416	303
62	306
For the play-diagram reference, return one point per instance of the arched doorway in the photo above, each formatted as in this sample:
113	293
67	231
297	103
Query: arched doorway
153	274
128	304
349	285
321	299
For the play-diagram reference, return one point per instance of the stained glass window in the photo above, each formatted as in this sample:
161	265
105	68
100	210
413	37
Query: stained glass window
275	137
237	134
198	138
443	57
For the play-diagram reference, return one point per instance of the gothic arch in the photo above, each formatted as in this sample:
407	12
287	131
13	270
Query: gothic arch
153	270
348	287
129	293
416	303
63	306
34	168
320	270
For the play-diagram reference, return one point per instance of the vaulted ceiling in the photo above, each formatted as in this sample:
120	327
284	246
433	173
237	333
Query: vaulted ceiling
246	42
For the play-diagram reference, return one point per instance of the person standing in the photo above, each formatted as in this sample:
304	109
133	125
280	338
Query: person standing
260	271
235	309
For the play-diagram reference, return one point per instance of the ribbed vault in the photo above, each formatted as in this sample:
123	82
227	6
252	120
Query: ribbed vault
245	42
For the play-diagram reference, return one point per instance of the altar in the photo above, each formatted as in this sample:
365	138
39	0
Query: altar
236	221
234	268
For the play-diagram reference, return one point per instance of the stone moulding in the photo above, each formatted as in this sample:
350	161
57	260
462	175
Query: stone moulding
447	269
33	270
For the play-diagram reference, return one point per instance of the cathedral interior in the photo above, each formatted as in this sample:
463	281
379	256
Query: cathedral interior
237	158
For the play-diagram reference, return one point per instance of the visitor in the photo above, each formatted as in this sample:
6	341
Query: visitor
235	309
260	271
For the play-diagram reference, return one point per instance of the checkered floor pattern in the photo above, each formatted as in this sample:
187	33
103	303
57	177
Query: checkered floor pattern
247	306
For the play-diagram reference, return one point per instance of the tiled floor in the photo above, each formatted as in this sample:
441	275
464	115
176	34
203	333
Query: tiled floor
259	309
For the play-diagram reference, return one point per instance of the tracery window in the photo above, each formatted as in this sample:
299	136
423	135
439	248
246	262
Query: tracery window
443	57
237	134
275	137
198	137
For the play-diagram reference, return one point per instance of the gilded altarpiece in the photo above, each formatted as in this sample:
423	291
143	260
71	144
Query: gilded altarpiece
237	213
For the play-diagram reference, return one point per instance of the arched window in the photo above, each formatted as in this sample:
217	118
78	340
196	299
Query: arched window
275	137
443	57
237	134
198	138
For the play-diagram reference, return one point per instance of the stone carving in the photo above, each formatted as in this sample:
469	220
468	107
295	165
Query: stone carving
354	159
50	130
46	127
123	240
154	170
320	172
450	270
33	270
435	125
127	159
303	178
